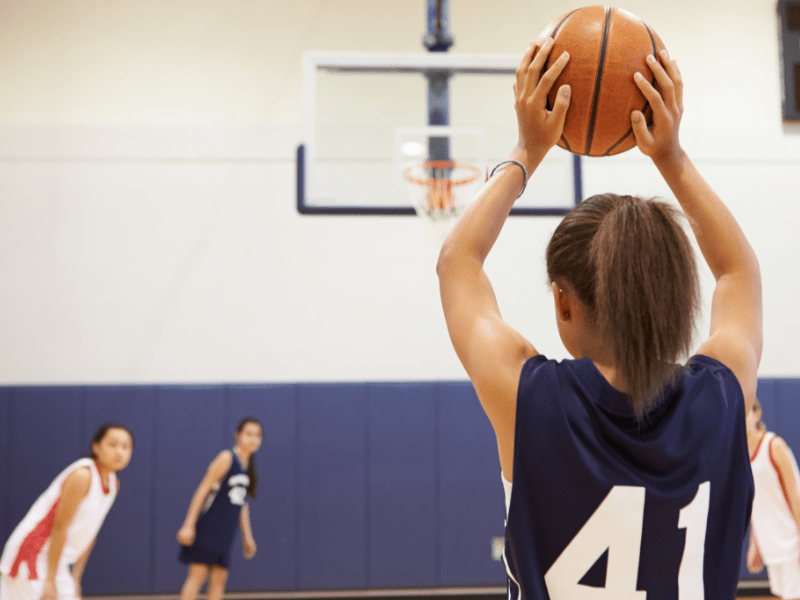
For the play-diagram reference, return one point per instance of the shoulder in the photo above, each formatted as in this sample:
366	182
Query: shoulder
221	463
738	356
539	370
779	450
702	366
548	380
78	481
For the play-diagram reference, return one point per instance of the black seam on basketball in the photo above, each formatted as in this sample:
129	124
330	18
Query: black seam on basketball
564	20
618	142
553	37
655	53
652	40
596	96
566	143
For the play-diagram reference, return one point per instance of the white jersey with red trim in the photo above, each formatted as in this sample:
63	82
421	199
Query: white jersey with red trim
26	551
772	520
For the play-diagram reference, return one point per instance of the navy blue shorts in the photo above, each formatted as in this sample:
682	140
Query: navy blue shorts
193	555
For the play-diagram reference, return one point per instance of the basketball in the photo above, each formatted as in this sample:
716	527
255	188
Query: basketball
607	46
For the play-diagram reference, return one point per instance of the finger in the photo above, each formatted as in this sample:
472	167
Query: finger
559	112
650	93
640	131
549	78
522	70
664	81
536	66
671	67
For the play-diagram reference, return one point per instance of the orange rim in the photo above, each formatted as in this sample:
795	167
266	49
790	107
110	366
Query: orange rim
442	164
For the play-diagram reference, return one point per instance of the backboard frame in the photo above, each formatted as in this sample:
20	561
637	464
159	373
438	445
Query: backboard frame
358	62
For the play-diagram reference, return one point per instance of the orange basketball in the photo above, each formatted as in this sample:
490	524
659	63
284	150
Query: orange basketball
606	46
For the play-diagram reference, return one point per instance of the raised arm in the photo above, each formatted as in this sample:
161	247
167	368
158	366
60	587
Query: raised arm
490	350
216	471
736	332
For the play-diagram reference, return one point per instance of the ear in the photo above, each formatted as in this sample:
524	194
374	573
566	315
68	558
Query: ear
562	301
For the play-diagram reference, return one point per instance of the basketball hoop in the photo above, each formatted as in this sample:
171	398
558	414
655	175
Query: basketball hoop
440	189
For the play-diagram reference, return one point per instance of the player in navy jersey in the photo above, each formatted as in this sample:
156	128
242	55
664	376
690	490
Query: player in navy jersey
218	506
626	468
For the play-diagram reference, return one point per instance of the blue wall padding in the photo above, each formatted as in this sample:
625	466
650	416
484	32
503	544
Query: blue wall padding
402	471
789	412
361	485
768	397
332	486
470	494
45	437
5	463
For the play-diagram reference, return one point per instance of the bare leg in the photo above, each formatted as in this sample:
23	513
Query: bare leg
216	584
194	581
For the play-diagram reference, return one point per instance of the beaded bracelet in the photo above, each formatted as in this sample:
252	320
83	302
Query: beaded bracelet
515	162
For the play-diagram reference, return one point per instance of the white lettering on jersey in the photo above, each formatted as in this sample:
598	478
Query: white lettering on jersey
241	479
237	495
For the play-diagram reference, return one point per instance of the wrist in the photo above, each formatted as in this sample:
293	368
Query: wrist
670	162
530	157
513	164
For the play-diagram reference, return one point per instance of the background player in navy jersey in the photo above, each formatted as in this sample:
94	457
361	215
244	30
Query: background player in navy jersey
630	471
775	532
217	507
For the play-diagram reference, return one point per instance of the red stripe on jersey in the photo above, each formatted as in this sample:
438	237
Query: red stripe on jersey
780	479
32	544
106	490
758	446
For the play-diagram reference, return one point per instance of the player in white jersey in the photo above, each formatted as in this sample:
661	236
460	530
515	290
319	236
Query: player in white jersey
775	523
46	554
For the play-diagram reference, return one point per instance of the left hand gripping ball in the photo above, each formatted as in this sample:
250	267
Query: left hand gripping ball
607	46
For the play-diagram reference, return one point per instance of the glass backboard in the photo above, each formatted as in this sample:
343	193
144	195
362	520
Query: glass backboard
366	118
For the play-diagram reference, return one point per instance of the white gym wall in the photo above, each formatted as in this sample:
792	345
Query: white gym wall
148	230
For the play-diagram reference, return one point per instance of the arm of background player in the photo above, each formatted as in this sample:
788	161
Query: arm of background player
73	491
78	567
754	562
248	542
216	471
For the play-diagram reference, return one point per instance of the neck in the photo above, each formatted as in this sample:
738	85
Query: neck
104	473
243	456
753	438
601	354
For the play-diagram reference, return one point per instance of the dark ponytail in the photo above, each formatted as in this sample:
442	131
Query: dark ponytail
630	262
251	464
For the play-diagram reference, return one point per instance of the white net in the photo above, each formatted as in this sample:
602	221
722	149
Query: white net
440	190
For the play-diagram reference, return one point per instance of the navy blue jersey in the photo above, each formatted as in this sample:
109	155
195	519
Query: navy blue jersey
219	519
606	508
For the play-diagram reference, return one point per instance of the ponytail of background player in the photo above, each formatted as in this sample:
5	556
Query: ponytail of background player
46	554
218	505
630	468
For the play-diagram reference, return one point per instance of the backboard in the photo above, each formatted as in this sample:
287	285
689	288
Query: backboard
366	115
